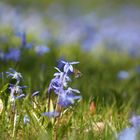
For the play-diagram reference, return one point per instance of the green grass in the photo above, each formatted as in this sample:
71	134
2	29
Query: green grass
116	100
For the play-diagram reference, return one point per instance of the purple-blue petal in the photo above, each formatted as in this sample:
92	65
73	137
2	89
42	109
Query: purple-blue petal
135	120
20	96
13	54
35	93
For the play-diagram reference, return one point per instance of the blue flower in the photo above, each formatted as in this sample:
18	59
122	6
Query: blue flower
23	37
41	49
67	97
20	96
66	100
16	92
13	54
68	66
51	114
61	79
131	133
12	93
71	90
61	65
35	93
128	134
14	75
26	119
62	76
123	74
135	120
55	85
17	89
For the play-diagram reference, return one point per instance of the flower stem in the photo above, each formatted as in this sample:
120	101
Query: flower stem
14	127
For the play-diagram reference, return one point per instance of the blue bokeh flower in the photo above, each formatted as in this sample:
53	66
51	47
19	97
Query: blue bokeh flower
51	114
123	74
41	49
135	121
13	54
23	38
131	133
66	100
128	134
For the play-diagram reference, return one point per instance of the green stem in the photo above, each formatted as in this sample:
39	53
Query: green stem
14	127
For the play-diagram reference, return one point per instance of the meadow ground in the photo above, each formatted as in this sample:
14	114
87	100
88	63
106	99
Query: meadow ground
108	83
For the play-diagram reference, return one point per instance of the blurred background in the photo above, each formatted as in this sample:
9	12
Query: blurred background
92	23
102	35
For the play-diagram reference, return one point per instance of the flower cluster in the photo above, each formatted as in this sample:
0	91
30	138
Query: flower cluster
59	84
15	53
16	91
39	49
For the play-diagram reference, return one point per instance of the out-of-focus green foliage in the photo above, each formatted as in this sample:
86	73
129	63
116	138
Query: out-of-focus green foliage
83	5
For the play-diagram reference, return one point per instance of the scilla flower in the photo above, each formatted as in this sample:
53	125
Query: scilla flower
131	133
20	96
16	92
68	66
14	75
26	119
66	99
66	96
